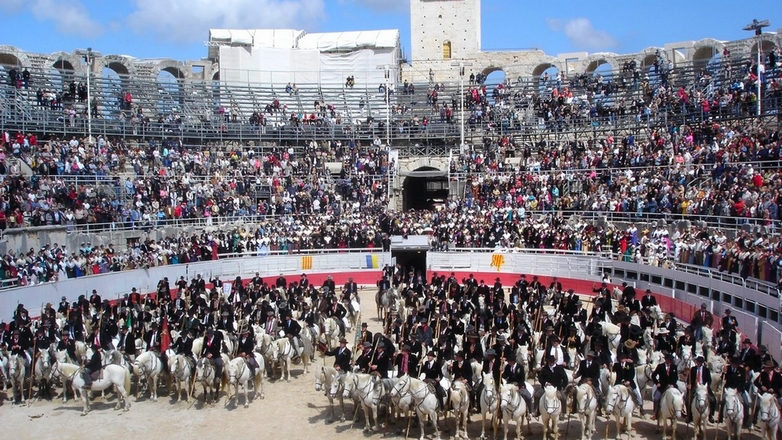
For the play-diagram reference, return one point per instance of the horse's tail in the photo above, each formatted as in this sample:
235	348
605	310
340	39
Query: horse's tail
127	381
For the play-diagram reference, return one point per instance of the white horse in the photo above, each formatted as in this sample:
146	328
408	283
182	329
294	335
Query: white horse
180	368
4	369
307	347
353	317
239	373
671	404
613	333
768	416
656	313
284	351
385	300
43	367
550	408
523	357
619	401
17	372
206	373
734	413
513	407
643	376
325	379
685	358
459	397
367	389
111	375
264	344
330	333
699	408
401	403
489	400
607	379
149	366
424	401
586	408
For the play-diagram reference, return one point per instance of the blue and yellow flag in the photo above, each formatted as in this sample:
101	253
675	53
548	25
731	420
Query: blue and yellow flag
372	262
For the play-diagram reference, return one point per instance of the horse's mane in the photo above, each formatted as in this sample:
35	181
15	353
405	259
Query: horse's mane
68	368
550	392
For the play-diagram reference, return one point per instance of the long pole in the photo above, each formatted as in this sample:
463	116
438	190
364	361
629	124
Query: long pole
388	110
89	97
759	78
461	109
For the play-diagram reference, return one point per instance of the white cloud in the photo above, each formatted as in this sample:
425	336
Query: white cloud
380	5
582	35
190	20
70	17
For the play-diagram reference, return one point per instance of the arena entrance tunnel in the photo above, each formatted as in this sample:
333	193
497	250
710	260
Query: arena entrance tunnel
410	253
425	189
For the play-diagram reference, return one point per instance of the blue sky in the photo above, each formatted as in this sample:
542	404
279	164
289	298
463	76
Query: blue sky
178	28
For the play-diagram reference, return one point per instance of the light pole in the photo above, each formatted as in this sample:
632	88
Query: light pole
757	27
89	58
461	65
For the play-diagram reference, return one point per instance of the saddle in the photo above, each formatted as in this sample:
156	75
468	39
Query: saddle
435	388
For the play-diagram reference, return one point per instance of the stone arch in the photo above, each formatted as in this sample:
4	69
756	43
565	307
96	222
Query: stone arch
216	75
766	44
177	69
542	67
425	187
595	62
10	59
64	64
704	51
122	70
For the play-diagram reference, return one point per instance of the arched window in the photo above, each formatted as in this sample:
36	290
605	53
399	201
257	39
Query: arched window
446	50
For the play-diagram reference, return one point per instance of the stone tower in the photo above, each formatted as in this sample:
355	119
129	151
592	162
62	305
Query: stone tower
444	29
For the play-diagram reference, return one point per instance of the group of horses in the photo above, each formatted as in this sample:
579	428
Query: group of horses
503	403
273	354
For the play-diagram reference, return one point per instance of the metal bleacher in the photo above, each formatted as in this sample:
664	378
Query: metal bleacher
188	109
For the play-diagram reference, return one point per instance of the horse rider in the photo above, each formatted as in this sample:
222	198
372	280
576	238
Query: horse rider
736	378
589	372
381	361
664	377
342	356
245	349
406	363
153	338
337	311
350	291
92	366
69	345
625	375
292	330
515	374
554	375
700	374
308	316
432	373
20	346
364	360
365	335
701	318
211	350
270	326
127	343
768	381
184	345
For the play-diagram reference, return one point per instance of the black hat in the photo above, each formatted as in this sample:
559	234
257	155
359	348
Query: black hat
747	341
699	358
366	344
210	331
591	353
668	357
124	327
224	313
762	347
491	352
550	358
363	324
246	329
381	344
64	298
343	341
571	291
500	338
648	290
459	354
735	360
430	353
405	347
153	324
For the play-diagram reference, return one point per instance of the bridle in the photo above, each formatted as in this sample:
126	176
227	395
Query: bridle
513	402
772	412
489	395
701	402
590	397
369	387
552	405
672	409
733	407
234	375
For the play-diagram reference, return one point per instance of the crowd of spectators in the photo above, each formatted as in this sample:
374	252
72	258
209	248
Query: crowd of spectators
723	171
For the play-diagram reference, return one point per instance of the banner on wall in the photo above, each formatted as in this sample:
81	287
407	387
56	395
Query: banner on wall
372	262
306	263
497	260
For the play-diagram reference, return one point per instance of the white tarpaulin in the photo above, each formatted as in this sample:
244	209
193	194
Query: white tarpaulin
278	57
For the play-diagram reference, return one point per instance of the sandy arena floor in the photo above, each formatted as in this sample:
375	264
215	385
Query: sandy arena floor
291	410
